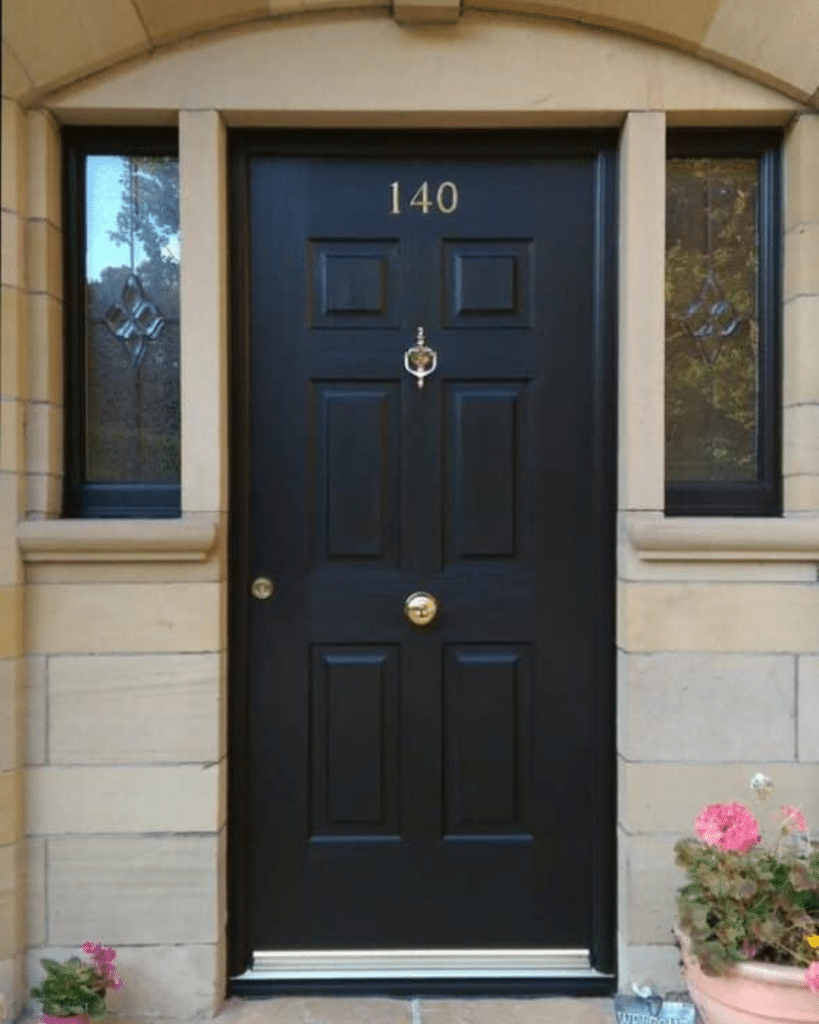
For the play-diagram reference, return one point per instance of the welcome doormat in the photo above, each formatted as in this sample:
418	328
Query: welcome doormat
654	1009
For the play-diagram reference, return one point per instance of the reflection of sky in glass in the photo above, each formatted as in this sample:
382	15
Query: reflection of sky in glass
103	196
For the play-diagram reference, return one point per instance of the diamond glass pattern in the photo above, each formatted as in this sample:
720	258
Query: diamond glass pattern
711	315
134	315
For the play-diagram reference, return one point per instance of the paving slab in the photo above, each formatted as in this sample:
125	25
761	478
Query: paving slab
319	1010
515	1011
358	1010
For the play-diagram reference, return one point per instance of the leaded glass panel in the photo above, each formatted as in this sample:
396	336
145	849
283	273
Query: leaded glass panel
132	319
712	319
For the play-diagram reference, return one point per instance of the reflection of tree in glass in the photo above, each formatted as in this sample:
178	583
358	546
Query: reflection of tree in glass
133	382
149	210
711	319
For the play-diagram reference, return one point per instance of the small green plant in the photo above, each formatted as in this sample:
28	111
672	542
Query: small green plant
77	987
744	901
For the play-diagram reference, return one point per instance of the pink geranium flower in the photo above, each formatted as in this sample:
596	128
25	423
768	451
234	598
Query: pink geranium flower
728	827
114	980
794	819
103	957
812	977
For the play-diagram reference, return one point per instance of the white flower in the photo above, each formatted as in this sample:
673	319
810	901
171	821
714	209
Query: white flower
761	785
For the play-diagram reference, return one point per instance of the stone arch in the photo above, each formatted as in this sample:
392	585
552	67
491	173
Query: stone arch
50	44
382	74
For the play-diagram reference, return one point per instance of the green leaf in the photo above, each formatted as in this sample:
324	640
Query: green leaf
96	1005
52	966
713	958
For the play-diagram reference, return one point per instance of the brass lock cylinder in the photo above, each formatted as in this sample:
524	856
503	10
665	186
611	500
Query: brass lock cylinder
420	608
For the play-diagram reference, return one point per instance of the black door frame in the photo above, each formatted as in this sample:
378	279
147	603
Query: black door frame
602	145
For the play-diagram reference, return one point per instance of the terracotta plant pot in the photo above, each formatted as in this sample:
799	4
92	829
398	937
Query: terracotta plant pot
753	993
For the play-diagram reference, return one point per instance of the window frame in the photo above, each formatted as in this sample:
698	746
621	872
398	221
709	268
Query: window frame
83	499
763	496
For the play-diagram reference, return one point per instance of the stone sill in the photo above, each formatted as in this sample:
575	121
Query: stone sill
656	538
117	540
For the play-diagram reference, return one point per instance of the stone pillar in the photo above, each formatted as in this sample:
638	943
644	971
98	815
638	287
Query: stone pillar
801	316
44	414
203	314
12	489
641	453
641	470
801	375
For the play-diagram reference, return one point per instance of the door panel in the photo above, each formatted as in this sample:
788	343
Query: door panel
436	786
355	436
353	283
482	470
488	775
355	741
487	283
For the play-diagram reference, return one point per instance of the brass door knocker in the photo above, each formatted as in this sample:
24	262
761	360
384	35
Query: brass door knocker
420	360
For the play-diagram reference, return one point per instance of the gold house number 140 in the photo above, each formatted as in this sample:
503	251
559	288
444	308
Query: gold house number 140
446	197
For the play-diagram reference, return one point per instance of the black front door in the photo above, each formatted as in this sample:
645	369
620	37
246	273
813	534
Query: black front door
447	784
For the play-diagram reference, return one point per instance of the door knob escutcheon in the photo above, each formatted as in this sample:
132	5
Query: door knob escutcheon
420	608
262	588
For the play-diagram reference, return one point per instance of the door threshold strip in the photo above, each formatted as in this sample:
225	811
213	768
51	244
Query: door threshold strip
419	963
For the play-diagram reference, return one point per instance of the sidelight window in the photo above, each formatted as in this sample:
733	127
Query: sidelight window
722	324
122	318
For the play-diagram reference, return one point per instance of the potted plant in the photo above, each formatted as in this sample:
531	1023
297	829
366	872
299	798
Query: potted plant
749	916
75	990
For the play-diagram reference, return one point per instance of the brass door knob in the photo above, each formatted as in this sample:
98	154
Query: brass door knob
420	608
262	588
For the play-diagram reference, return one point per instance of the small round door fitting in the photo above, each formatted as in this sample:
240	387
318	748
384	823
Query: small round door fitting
420	608
262	588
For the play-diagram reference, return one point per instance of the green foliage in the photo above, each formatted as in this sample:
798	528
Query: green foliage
741	906
70	989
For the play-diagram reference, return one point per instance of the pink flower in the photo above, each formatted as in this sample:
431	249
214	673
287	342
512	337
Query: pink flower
794	819
812	977
105	955
92	948
115	980
727	826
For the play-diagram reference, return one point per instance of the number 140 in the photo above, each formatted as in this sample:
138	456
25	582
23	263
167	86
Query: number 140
446	197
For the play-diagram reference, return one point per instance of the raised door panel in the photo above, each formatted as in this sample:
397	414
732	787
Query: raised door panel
353	452
488	283
487	737
484	463
355	742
